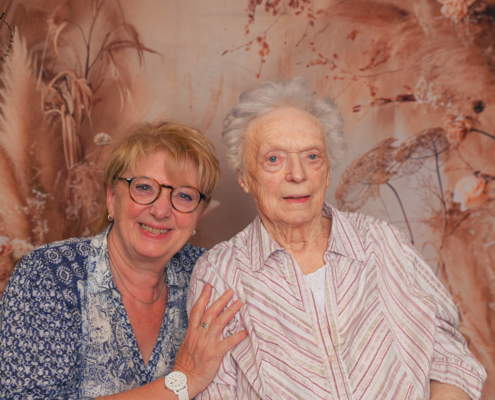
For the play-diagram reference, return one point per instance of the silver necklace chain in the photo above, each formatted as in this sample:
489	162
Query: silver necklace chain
126	288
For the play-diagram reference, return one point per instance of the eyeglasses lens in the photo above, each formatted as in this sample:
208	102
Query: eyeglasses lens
145	191
185	199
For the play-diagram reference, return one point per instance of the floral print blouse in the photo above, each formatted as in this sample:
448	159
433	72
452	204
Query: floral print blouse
64	331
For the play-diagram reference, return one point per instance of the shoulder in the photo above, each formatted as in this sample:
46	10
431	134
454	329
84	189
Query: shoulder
180	266
219	265
54	266
238	245
48	257
369	228
190	253
187	256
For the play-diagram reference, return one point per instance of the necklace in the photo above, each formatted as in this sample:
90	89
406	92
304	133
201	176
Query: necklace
126	288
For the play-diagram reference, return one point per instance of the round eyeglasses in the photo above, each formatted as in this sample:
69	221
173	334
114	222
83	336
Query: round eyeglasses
144	190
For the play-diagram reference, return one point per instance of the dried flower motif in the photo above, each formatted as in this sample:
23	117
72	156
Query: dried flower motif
455	9
456	128
424	93
414	152
85	192
102	139
20	248
470	192
362	179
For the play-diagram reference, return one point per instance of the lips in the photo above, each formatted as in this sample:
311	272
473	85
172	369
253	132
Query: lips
153	230
295	197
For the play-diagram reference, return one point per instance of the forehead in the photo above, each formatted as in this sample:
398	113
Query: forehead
166	168
290	129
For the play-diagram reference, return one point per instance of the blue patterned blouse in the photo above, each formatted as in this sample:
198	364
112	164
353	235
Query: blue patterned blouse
64	331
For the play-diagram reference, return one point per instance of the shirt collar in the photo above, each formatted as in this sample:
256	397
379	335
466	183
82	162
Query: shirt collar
100	277
344	239
260	244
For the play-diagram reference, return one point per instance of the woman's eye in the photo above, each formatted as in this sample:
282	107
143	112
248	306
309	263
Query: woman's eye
273	159
143	188
313	156
185	196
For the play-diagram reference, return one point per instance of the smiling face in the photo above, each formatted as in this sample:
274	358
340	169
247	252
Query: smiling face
286	166
154	232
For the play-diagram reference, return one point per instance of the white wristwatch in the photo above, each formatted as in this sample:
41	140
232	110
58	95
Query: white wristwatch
176	381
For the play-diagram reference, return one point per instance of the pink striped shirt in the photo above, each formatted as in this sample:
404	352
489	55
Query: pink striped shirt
389	326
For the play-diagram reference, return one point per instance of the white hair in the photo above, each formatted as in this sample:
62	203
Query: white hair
297	93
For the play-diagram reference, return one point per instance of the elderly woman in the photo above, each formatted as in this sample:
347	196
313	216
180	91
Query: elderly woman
90	317
337	305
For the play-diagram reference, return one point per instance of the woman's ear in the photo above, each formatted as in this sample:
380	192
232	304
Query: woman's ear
110	201
241	178
328	179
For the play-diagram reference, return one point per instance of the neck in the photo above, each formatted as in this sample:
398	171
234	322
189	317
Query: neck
299	238
144	280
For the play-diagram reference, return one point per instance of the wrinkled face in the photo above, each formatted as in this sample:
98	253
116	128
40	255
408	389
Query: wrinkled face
286	166
155	231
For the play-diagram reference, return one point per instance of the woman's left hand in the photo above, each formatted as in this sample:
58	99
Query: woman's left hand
202	351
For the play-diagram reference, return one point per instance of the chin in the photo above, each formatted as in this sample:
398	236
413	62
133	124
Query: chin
297	218
152	252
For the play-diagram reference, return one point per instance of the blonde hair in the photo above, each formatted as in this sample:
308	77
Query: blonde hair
182	144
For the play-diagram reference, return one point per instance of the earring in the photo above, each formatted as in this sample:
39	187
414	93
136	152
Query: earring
110	218
194	232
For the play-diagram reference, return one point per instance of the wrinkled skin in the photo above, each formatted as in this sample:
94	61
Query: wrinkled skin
285	157
287	172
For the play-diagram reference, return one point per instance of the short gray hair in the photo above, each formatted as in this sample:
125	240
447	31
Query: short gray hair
297	93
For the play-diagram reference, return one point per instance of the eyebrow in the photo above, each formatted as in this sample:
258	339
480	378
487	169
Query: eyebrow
309	148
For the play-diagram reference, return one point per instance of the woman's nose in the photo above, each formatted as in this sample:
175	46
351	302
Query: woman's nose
296	171
162	207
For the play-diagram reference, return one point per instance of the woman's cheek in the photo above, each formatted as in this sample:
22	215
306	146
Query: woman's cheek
272	167
272	182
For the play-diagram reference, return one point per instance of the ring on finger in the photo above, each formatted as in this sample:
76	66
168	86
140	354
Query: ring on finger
205	325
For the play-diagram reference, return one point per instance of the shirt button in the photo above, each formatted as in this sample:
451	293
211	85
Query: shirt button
331	359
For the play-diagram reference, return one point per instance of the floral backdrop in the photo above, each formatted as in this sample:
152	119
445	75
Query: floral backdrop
413	79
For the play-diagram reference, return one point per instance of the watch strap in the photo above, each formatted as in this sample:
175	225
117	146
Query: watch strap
183	394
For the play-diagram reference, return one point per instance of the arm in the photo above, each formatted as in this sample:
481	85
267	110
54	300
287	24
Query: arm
201	352
444	391
224	384
454	370
38	336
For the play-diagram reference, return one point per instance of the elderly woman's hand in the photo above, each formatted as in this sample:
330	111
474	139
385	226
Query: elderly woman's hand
202	351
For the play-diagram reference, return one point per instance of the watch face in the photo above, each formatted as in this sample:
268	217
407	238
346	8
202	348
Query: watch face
175	380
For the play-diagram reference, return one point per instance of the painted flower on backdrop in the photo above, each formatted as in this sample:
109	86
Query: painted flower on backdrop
456	128
470	192
20	248
455	9
102	139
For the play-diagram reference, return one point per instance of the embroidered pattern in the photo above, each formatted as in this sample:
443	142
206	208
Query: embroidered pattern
64	331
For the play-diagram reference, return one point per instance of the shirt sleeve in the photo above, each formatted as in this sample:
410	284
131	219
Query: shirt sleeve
224	385
39	336
452	362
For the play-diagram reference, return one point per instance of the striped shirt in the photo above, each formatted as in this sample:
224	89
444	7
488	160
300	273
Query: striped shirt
388	327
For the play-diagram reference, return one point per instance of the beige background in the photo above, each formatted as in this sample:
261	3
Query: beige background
368	56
